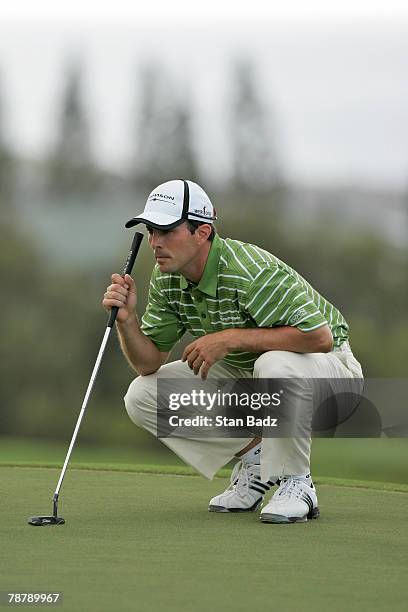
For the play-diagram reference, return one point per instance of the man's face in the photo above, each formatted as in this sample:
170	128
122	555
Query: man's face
174	248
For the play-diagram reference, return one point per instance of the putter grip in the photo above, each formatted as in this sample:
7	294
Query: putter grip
137	241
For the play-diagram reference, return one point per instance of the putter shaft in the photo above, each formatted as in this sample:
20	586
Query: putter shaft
83	408
137	240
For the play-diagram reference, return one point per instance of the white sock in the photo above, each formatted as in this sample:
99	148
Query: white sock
253	456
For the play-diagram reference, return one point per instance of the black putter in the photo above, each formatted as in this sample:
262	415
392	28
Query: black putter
41	521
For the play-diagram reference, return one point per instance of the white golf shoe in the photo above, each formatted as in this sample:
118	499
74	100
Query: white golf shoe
294	502
245	492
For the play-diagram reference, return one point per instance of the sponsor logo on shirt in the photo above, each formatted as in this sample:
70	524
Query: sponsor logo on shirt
298	315
230	319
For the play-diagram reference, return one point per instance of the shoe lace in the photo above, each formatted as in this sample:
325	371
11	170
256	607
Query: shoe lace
241	478
289	488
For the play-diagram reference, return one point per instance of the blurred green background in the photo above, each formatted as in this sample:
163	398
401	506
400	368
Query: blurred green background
61	236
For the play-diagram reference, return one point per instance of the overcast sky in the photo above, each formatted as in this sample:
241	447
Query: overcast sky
336	76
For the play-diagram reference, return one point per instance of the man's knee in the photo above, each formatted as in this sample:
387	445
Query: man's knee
139	401
278	364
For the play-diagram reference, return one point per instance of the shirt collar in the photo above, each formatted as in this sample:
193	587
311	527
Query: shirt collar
209	279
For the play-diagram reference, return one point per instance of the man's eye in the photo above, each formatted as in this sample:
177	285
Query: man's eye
160	232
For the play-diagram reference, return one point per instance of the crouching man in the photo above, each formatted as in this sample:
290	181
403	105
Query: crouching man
251	315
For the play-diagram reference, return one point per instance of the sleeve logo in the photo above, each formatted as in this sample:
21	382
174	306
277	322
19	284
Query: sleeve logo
298	316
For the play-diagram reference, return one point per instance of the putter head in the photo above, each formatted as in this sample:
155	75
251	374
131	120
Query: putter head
41	521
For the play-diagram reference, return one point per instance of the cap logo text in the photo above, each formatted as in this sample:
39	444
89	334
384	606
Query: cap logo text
203	211
161	196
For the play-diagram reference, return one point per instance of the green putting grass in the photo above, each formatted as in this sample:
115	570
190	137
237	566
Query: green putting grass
145	542
381	460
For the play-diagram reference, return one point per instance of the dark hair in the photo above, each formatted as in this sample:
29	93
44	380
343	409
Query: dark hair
193	225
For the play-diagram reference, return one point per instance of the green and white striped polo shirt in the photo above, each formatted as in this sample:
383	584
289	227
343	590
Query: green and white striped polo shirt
242	286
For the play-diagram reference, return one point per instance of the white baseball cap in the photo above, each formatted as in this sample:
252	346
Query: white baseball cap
172	203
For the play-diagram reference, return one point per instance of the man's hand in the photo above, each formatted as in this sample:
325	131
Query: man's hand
121	293
204	352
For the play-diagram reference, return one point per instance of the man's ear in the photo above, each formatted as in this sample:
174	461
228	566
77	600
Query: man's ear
203	232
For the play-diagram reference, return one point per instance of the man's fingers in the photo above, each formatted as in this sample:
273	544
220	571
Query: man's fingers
195	360
126	281
187	351
129	280
204	370
113	295
130	283
118	289
196	365
192	357
117	293
117	278
120	294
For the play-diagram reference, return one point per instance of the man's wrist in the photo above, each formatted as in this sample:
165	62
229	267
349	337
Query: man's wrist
252	340
130	323
232	339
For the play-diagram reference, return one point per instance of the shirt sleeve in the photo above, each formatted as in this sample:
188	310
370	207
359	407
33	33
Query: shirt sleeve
276	297
160	322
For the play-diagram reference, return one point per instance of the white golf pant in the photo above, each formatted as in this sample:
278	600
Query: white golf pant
279	456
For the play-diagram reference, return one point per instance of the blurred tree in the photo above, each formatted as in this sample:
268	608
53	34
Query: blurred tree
255	201
18	264
256	165
7	168
71	168
164	147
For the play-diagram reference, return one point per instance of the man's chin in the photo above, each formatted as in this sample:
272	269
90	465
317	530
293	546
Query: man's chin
165	265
